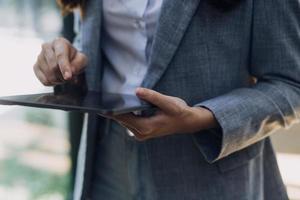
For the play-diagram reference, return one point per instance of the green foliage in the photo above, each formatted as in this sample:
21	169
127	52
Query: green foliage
40	116
39	182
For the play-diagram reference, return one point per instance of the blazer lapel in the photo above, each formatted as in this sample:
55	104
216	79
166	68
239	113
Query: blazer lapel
91	43
173	21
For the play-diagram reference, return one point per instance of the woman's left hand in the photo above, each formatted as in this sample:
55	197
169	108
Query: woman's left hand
174	116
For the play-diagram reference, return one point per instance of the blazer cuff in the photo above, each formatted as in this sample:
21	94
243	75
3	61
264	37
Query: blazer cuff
232	131
210	141
245	116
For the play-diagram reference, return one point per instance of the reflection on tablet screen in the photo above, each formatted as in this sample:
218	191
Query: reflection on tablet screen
105	103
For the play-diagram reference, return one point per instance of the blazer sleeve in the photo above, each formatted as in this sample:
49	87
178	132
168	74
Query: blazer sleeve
248	115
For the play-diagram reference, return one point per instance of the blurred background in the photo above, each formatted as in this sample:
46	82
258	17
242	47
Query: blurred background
35	160
38	146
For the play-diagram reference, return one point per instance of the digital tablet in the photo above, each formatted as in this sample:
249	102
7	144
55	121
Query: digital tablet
91	102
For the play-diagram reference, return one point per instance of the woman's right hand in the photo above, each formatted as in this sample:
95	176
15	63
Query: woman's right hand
59	62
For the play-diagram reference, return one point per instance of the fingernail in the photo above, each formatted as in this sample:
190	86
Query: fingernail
67	75
139	91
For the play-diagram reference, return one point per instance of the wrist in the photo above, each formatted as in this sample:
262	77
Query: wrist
203	118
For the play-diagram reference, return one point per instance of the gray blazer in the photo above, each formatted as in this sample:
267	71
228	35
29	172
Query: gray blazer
206	57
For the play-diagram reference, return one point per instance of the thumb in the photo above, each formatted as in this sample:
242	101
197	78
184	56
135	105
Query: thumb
78	63
164	102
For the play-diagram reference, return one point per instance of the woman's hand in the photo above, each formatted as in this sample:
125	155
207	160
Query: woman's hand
58	62
175	116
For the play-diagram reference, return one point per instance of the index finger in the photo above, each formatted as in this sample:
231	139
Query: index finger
62	52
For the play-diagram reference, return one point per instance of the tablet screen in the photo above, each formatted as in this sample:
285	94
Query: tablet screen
94	102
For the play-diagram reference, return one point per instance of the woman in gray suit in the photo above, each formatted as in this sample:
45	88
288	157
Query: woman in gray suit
196	61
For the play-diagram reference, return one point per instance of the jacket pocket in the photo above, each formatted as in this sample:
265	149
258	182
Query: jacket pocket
241	157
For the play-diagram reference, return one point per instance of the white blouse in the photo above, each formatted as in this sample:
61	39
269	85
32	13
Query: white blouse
128	30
